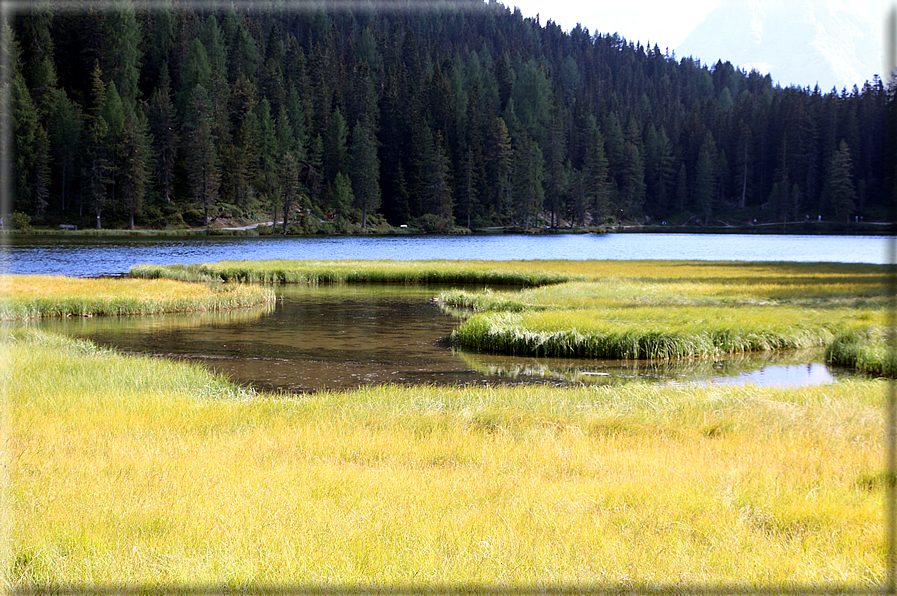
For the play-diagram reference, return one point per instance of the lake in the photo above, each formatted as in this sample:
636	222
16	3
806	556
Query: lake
342	336
94	256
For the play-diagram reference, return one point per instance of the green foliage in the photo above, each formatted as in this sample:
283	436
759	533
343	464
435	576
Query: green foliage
452	119
21	221
866	349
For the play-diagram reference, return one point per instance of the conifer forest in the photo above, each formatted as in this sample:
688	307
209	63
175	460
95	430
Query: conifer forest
334	117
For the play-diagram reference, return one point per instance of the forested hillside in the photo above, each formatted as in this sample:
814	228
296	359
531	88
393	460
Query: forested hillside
457	114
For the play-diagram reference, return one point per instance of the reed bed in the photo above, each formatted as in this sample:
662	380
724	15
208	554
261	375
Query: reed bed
361	271
148	472
680	310
41	296
865	349
652	332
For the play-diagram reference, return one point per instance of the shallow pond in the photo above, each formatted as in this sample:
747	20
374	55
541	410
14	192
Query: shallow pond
343	336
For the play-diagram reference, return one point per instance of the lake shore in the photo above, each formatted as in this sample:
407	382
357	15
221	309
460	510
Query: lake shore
808	227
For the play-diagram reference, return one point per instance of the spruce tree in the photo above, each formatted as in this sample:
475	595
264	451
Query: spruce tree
135	163
121	48
365	170
164	134
66	132
840	190
528	193
595	178
203	170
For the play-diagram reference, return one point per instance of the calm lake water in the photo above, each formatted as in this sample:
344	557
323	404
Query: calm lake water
93	256
345	336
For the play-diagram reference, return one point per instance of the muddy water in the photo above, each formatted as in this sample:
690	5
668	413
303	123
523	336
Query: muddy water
343	336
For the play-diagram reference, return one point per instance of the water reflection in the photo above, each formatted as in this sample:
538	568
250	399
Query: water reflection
343	336
795	368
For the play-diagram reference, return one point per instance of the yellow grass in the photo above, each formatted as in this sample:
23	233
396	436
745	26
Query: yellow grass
36	296
136	470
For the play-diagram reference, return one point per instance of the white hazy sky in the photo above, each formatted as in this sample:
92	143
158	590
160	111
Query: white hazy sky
663	22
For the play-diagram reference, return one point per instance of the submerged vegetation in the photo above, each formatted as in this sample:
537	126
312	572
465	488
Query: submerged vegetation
150	472
39	296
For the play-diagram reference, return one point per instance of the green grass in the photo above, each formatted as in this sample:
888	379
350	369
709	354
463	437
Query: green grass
653	332
360	271
649	310
865	349
617	309
145	471
40	296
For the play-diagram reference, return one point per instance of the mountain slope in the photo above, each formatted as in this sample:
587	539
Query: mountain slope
835	43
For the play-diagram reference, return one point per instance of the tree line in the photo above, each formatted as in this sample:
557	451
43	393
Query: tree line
462	114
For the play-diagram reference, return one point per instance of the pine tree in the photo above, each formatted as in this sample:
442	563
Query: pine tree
595	178
97	153
289	184
336	146
196	70
203	173
41	171
164	134
38	64
840	190
66	131
498	165
114	114
266	169
467	187
122	54
704	184
435	178
343	199
555	181
528	192
365	170
135	166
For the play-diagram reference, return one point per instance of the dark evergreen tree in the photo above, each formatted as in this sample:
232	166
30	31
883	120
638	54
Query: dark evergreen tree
365	170
163	131
840	190
594	179
135	163
289	184
203	169
498	166
122	52
97	159
528	193
66	132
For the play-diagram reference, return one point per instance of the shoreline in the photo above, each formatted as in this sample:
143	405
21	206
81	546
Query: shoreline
767	229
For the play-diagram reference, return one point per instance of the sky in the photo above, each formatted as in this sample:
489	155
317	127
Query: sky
842	52
660	22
